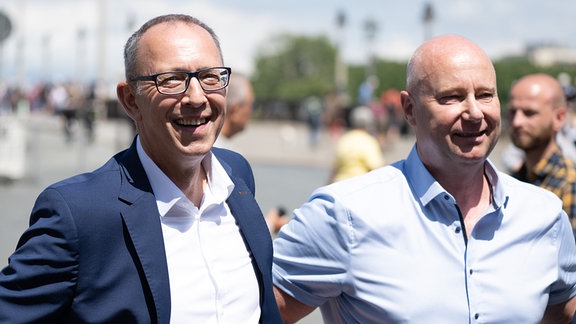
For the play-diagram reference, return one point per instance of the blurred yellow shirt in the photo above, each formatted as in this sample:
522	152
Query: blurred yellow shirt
357	152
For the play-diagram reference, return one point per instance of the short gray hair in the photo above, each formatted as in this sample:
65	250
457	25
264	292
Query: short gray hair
131	47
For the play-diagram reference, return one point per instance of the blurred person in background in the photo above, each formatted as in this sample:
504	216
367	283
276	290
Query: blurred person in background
357	151
239	102
567	135
394	124
513	157
313	110
59	102
537	111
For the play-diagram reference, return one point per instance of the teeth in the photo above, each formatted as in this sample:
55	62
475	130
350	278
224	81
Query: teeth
191	122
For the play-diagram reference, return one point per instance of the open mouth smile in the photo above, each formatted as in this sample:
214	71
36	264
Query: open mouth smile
471	135
191	122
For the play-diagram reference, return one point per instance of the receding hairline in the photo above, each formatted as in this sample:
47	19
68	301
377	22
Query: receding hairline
131	48
435	50
549	86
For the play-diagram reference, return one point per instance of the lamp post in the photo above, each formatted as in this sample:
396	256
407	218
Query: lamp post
427	19
370	28
80	53
101	65
340	70
46	60
21	46
5	30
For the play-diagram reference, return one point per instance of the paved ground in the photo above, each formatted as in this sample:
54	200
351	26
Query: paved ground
286	168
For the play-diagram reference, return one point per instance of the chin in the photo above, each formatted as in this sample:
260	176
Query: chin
196	147
475	155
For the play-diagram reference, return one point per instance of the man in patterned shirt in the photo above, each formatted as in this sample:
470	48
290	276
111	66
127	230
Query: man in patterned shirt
537	110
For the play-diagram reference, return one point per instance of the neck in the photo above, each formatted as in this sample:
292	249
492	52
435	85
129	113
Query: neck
537	154
190	179
194	186
472	191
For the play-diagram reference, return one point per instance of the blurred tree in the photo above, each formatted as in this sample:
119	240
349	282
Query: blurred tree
390	74
290	68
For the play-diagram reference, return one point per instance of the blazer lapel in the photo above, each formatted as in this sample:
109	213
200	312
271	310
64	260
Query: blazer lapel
143	226
251	222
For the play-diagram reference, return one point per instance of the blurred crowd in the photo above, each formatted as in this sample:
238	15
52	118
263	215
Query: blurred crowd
75	102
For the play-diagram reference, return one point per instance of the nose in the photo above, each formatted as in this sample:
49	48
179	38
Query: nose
194	95
515	118
472	111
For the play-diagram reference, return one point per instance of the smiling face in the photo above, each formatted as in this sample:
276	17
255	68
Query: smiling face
453	104
176	129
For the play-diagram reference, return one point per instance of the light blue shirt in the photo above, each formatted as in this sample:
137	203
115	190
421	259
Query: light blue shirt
388	247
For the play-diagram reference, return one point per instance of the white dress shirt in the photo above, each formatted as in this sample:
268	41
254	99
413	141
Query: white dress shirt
211	275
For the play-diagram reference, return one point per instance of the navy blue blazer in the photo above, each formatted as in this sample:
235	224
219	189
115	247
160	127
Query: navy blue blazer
94	251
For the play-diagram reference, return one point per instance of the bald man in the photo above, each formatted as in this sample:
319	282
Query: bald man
537	111
440	237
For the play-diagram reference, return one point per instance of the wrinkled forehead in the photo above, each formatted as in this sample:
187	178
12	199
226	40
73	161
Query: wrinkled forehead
458	70
444	57
177	46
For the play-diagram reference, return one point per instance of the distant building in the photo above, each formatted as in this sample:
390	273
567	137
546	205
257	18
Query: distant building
550	54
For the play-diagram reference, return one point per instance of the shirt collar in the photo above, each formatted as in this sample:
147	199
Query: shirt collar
168	195
427	188
542	168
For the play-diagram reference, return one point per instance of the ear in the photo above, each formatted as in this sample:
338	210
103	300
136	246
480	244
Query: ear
408	107
559	118
127	97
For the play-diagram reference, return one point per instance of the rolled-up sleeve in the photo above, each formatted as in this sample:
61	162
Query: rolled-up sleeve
311	252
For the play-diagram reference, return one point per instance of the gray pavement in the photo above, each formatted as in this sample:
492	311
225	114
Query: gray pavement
286	168
48	158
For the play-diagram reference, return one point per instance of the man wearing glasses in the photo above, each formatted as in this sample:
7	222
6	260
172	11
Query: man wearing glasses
167	230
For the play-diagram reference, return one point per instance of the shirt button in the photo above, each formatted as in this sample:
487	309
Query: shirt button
471	272
446	197
476	316
457	229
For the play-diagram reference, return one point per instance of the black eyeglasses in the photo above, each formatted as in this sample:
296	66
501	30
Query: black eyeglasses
177	82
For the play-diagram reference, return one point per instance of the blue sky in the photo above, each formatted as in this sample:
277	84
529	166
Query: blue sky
500	27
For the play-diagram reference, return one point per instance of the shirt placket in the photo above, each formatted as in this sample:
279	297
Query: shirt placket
469	260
